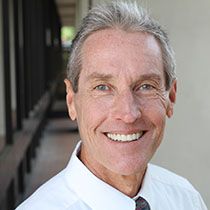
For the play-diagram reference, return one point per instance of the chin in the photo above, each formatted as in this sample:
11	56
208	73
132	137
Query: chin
127	168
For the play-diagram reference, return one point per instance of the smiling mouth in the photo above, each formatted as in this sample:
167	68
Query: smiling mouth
125	138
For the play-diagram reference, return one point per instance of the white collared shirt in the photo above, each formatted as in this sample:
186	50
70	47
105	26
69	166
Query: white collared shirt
76	188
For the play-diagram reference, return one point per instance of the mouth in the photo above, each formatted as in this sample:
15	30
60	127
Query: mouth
125	137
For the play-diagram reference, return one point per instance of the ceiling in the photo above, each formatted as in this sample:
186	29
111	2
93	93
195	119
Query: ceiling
67	10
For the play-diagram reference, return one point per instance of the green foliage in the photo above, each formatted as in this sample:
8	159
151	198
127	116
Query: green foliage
67	33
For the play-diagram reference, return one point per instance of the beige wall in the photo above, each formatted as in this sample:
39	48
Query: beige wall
185	149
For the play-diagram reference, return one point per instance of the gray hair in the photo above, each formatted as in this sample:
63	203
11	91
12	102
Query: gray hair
126	16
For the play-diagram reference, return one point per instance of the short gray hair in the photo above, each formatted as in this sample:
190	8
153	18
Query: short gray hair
125	16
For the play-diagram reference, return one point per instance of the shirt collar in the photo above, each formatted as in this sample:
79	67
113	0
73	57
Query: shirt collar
96	193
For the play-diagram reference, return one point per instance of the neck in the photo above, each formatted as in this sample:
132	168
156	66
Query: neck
127	184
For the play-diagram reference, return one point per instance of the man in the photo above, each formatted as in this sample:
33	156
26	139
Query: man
121	86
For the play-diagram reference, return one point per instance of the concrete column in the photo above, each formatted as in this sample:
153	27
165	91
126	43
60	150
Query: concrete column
95	2
2	110
12	62
82	7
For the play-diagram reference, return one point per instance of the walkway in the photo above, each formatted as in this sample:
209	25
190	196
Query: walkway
57	143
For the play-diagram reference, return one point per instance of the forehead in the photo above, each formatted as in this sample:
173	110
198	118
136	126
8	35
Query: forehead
115	51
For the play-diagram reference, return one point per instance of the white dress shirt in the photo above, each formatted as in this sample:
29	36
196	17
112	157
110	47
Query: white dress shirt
76	188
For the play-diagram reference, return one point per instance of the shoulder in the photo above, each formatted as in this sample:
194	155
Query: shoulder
168	178
53	195
173	189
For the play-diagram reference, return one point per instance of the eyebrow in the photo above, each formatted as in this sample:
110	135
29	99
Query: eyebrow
150	76
99	76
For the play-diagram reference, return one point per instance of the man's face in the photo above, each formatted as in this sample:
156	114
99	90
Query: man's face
121	103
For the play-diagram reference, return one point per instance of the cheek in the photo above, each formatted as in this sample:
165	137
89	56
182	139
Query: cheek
91	113
157	105
155	112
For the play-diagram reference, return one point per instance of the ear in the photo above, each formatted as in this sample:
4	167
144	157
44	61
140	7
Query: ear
70	100
171	98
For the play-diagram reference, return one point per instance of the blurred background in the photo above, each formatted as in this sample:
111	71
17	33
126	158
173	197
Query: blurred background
36	135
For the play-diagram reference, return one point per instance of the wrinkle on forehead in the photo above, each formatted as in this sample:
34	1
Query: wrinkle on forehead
118	37
117	52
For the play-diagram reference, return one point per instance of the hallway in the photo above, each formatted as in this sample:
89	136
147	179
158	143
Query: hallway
57	142
36	134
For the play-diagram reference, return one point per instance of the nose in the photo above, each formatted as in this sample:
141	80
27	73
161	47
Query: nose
126	108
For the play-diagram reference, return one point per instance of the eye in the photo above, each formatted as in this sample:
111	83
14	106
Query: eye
146	87
102	88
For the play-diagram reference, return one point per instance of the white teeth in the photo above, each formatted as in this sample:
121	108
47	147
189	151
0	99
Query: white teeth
121	137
